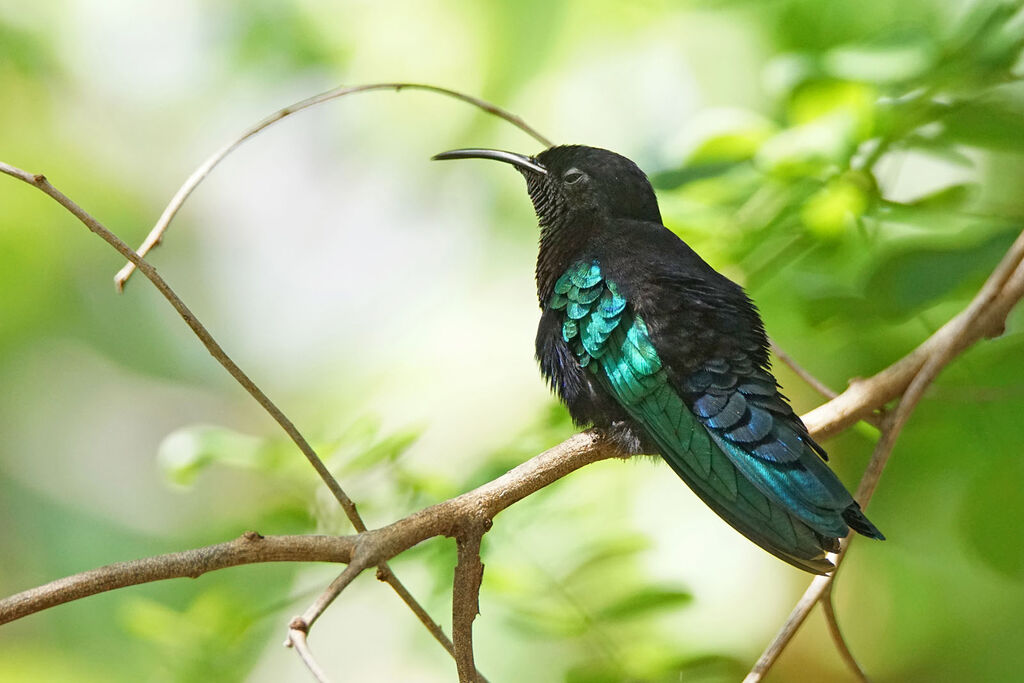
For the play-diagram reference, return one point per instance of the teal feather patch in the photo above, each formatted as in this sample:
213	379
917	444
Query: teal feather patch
612	341
590	294
570	328
585	277
576	310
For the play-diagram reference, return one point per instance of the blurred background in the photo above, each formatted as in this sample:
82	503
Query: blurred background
856	165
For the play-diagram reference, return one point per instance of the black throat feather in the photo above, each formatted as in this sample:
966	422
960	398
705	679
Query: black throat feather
562	230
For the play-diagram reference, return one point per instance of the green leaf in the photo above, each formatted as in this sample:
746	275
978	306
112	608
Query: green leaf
995	122
592	672
939	147
26	51
388	449
646	601
819	306
951	197
810	148
184	453
835	207
911	277
271	36
738	136
548	621
607	550
710	667
669	180
991	515
895	60
826	99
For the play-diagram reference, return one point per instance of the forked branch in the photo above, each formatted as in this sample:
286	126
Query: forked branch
39	181
460	517
984	316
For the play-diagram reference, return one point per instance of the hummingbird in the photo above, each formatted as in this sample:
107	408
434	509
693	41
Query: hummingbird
641	338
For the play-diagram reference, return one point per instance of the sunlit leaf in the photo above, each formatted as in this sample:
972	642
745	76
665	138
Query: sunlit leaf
729	135
808	149
951	197
836	207
893	61
787	72
184	453
848	100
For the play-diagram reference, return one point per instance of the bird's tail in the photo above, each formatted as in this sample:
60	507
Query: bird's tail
855	519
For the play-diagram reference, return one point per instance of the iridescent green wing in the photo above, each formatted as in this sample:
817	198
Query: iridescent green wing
612	342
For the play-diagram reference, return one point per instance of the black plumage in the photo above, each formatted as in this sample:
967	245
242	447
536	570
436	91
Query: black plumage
641	337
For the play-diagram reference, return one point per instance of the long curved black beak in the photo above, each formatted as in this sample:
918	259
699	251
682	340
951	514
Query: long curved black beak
518	160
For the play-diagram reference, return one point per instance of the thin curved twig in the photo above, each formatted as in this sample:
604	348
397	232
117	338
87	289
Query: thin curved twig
157	233
313	612
829	609
984	315
297	640
802	372
792	624
40	182
385	574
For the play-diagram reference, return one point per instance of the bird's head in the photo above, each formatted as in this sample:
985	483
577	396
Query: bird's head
570	182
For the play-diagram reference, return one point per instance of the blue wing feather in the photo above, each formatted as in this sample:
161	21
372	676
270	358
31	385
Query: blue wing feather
725	430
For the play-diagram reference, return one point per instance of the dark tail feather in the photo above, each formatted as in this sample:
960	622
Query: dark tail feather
856	520
828	543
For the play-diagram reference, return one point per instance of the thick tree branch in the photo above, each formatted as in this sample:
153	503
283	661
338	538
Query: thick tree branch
469	573
247	549
372	547
984	317
157	233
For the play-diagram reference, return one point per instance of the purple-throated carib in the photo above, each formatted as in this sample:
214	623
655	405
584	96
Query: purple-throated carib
640	337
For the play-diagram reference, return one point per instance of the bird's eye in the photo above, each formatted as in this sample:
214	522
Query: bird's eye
573	176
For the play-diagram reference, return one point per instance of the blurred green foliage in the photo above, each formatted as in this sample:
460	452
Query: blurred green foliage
862	202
